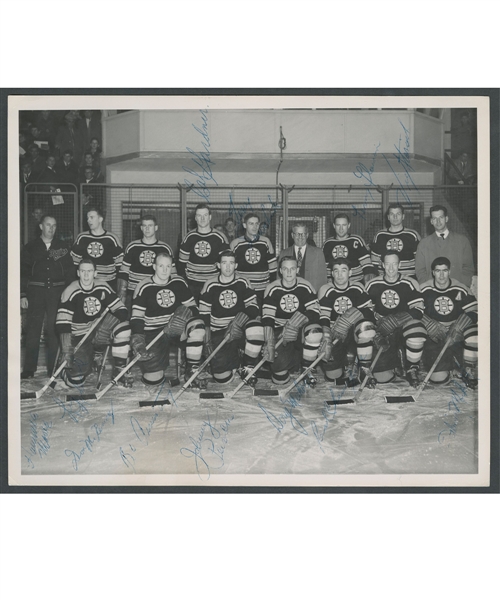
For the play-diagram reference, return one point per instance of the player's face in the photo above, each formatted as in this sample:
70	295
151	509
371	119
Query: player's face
299	235
227	266
230	226
391	266
252	226
148	228
438	220
395	217
86	274
202	217
289	272
163	268
94	220
342	227
48	228
441	276
340	275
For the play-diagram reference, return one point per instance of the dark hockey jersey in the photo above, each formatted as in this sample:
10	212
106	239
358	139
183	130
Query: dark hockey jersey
403	242
104	250
139	260
256	260
334	302
447	305
198	254
354	249
280	302
221	302
154	304
79	308
401	296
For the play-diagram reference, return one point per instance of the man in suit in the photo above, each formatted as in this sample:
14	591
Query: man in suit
310	260
67	169
463	173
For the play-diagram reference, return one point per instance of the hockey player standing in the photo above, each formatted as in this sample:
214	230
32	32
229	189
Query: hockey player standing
398	306
291	310
450	311
200	251
100	246
228	305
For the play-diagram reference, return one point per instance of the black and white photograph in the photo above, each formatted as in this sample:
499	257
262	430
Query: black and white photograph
264	291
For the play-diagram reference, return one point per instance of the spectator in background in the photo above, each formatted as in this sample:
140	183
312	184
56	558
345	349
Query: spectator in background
91	127
462	173
37	161
34	223
49	174
67	169
26	176
69	137
464	136
444	243
230	229
47	126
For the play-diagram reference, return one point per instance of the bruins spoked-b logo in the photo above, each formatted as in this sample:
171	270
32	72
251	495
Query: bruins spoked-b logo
289	303
202	249
395	244
443	305
340	251
390	298
165	298
228	299
95	249
252	256
147	258
342	304
91	306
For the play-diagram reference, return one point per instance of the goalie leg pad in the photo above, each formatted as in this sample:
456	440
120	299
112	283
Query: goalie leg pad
195	333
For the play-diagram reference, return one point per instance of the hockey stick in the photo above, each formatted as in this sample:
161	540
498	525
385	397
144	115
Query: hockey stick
115	379
100	368
433	368
303	374
201	367
254	370
52	381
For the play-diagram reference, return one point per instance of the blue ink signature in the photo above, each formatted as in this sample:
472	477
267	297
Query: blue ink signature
92	440
458	397
279	421
363	172
202	160
207	453
267	210
39	439
128	458
402	156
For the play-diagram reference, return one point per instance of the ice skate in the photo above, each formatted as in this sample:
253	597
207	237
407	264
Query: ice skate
243	373
412	376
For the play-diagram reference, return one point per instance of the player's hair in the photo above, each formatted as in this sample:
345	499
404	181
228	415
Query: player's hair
86	261
201	206
390	253
438	207
285	258
394	205
149	217
300	224
224	253
165	254
94	209
339	261
250	215
440	260
341	216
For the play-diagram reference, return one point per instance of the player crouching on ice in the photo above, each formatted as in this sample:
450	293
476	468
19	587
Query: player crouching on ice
450	312
399	308
82	303
346	317
164	303
291	312
228	306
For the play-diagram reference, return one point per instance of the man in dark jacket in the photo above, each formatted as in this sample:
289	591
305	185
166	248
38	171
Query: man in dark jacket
46	269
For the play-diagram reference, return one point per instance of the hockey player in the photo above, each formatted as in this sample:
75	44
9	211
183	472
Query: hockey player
352	247
82	302
255	256
346	316
399	307
200	250
398	239
139	259
100	246
164	302
450	310
228	305
291	311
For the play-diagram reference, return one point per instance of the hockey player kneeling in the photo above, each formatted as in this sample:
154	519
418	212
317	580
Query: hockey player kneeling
82	303
228	306
164	303
399	308
450	311
346	317
291	311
